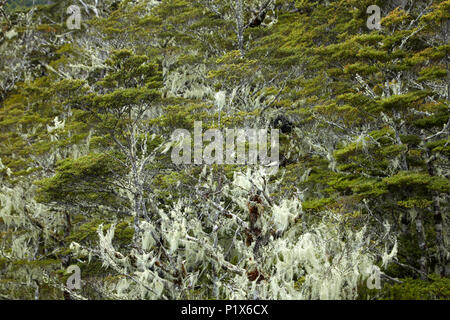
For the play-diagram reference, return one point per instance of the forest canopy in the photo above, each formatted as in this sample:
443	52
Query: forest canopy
93	206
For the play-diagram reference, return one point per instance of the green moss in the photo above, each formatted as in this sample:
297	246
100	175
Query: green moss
317	204
435	288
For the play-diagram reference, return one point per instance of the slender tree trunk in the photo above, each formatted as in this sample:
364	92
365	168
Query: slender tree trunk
37	290
441	253
444	28
137	215
66	260
422	244
403	159
65	265
404	222
240	26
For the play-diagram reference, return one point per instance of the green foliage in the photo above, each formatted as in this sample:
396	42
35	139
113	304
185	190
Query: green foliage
415	289
85	115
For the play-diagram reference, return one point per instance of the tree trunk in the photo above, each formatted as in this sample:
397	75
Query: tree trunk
441	251
240	26
441	254
422	245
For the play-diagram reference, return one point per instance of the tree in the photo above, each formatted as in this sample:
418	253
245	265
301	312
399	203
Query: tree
361	193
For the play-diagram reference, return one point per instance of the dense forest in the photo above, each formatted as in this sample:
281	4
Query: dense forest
92	205
11	5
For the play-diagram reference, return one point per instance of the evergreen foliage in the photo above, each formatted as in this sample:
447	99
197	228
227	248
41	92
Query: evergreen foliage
86	118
